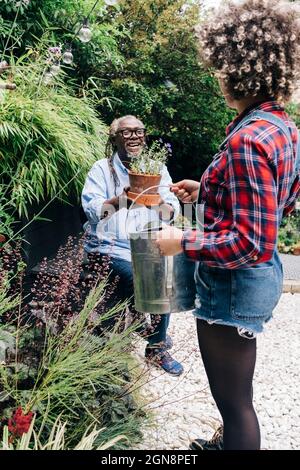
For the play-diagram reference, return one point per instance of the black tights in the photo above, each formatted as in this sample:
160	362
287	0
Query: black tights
229	361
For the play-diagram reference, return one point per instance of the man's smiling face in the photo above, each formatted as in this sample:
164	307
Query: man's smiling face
130	137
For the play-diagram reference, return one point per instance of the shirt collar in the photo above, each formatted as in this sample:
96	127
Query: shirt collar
118	163
267	106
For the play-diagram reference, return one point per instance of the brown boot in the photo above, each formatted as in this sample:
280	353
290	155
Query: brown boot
215	443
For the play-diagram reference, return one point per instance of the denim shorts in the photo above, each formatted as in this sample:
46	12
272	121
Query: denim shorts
242	298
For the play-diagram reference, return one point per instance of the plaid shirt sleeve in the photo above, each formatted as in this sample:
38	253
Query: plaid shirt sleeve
252	188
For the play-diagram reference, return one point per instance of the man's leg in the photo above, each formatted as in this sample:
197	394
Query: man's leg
122	277
120	285
121	271
159	326
156	352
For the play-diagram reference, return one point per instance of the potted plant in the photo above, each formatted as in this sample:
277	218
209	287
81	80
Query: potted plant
296	249
288	237
145	172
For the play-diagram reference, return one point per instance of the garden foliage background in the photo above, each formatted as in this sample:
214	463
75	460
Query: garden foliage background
142	60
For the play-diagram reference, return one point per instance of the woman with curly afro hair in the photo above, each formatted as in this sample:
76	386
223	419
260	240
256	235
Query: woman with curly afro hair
252	182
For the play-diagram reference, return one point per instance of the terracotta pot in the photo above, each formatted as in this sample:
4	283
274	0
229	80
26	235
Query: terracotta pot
296	250
139	182
144	199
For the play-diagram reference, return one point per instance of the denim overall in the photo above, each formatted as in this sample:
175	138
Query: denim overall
243	298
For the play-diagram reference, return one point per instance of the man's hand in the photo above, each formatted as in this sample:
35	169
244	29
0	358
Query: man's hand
110	206
169	241
186	190
123	200
165	211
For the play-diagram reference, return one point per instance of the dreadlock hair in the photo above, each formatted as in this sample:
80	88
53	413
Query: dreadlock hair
111	148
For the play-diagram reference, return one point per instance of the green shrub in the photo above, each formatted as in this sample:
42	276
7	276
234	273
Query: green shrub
293	110
162	81
49	139
60	357
138	50
289	233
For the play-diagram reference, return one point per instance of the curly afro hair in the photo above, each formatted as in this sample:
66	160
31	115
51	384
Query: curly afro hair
254	47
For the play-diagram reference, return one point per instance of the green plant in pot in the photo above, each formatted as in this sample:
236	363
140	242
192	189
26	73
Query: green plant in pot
296	249
145	172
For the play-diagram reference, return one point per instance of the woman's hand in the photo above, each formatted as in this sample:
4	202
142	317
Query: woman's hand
169	241
186	190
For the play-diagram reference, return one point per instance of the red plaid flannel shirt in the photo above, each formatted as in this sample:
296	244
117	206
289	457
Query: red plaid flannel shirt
244	190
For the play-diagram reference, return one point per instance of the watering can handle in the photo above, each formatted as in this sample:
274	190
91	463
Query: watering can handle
103	222
143	192
169	268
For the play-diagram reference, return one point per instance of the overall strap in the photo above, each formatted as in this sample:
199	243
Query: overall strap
275	120
258	115
281	124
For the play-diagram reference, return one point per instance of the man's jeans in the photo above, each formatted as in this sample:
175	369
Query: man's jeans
124	291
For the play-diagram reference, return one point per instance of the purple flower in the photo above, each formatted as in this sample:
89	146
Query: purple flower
55	50
169	148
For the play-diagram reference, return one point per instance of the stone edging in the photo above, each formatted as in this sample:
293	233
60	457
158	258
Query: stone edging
291	286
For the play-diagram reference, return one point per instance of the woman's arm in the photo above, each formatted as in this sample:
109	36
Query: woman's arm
252	237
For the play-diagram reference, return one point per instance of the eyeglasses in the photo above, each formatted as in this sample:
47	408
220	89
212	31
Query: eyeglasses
127	133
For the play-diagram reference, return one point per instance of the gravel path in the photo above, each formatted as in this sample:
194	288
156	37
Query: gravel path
183	408
291	266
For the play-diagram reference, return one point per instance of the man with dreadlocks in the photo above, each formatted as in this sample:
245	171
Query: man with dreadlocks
104	201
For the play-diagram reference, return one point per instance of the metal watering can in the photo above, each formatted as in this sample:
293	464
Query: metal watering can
162	284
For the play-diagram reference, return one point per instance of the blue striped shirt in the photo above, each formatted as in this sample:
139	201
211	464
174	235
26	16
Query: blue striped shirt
109	235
